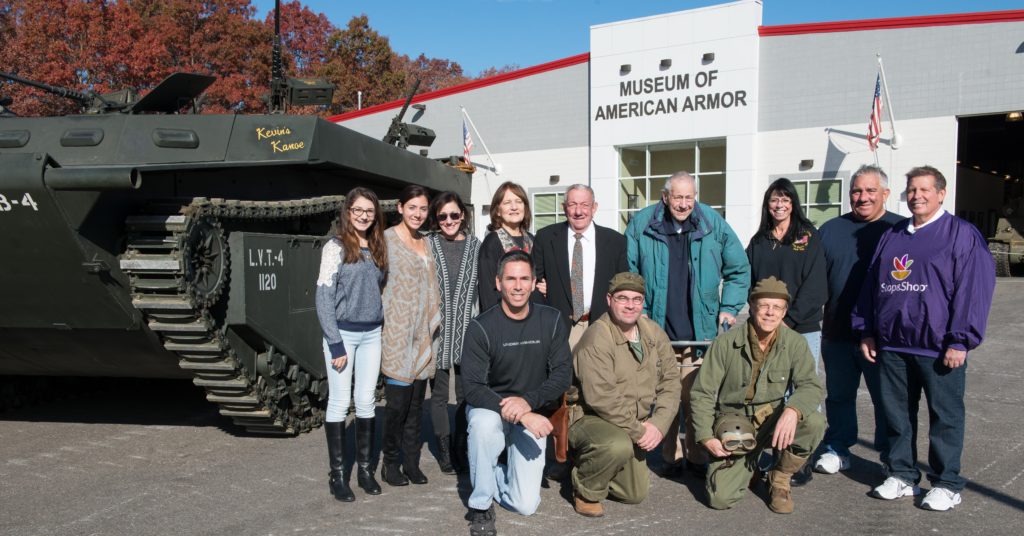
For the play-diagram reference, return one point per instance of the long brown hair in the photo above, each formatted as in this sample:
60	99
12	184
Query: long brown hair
499	195
374	235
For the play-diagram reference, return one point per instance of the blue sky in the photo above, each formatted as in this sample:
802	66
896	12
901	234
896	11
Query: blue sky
491	33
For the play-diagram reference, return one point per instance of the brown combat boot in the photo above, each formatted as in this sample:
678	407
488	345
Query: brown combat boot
587	508
781	501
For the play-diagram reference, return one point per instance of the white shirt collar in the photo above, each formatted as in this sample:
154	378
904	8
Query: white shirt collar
588	233
938	214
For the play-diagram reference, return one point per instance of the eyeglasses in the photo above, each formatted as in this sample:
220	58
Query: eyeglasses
765	307
683	198
357	211
445	216
623	300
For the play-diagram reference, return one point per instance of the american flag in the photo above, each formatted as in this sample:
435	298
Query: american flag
875	120
467	142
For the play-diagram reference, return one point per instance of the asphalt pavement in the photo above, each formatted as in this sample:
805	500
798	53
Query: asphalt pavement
142	457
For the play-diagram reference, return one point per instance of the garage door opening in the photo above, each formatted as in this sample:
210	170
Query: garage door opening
990	184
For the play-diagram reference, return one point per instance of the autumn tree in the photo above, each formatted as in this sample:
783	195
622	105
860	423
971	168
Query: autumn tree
220	38
84	45
434	73
494	71
106	45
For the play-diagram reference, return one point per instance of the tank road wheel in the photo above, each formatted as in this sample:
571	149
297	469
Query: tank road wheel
206	261
1001	255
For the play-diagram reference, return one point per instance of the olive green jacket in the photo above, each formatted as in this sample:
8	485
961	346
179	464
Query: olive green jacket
616	387
721	384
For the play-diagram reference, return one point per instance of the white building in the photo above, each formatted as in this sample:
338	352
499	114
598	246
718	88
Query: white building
713	92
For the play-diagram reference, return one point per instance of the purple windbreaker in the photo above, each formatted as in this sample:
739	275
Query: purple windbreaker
927	291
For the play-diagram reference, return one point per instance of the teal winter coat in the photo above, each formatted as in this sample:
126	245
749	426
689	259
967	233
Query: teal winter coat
716	258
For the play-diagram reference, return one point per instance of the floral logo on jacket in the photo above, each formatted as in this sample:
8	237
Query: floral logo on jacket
902	265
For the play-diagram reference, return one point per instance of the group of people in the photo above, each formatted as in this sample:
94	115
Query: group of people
634	336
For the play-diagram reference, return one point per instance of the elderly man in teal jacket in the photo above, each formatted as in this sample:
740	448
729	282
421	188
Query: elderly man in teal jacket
687	254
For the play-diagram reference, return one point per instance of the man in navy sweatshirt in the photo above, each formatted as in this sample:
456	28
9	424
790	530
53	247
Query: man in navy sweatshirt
849	241
515	367
924	305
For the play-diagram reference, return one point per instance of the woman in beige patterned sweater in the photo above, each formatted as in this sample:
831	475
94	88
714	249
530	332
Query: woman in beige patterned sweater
411	319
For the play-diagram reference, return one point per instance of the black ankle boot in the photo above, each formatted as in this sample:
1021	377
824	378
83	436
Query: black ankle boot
364	450
336	455
444	454
396	409
392	474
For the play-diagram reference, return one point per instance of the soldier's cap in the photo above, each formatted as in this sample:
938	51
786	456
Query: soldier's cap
770	288
626	281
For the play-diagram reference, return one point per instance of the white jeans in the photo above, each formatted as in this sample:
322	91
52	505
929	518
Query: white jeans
363	349
515	486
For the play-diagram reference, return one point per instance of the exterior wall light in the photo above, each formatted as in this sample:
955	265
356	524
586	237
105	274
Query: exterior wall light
665	64
707	58
625	68
807	163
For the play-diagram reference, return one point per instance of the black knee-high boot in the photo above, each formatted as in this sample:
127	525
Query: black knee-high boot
412	442
364	452
396	409
336	455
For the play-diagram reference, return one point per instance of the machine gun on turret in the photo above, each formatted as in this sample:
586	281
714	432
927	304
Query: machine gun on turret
170	95
404	134
291	90
94	103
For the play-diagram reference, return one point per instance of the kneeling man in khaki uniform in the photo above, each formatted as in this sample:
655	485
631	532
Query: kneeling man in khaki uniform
629	392
747	372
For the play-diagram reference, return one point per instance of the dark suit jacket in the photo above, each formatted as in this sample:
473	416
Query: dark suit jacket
551	260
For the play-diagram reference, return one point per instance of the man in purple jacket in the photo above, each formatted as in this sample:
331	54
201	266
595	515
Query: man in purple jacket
923	306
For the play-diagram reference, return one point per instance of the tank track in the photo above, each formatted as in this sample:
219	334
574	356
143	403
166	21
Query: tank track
177	262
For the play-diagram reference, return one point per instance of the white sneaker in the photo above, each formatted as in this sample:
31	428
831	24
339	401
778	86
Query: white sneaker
894	488
831	463
940	500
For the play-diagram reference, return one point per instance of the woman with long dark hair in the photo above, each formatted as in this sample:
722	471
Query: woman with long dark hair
353	267
787	246
455	253
509	230
411	321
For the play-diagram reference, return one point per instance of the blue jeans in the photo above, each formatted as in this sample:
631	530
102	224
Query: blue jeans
363	349
903	377
813	339
515	486
814	342
844	365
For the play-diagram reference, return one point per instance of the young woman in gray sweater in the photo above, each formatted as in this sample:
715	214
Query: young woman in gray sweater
353	268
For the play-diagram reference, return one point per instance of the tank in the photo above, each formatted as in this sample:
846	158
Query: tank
1007	244
136	241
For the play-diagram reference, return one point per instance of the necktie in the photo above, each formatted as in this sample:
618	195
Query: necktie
576	277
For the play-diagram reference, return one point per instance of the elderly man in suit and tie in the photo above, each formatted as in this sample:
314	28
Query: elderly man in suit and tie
577	258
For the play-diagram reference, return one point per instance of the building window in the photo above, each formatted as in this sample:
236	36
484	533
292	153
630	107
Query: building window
644	169
821	199
547	209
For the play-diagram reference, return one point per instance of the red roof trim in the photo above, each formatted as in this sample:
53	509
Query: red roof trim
891	23
468	86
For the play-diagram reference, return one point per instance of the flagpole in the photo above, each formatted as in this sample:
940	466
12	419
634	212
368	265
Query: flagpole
896	140
481	138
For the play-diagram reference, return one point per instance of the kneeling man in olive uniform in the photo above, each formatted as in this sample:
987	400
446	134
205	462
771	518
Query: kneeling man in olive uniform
747	372
629	392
